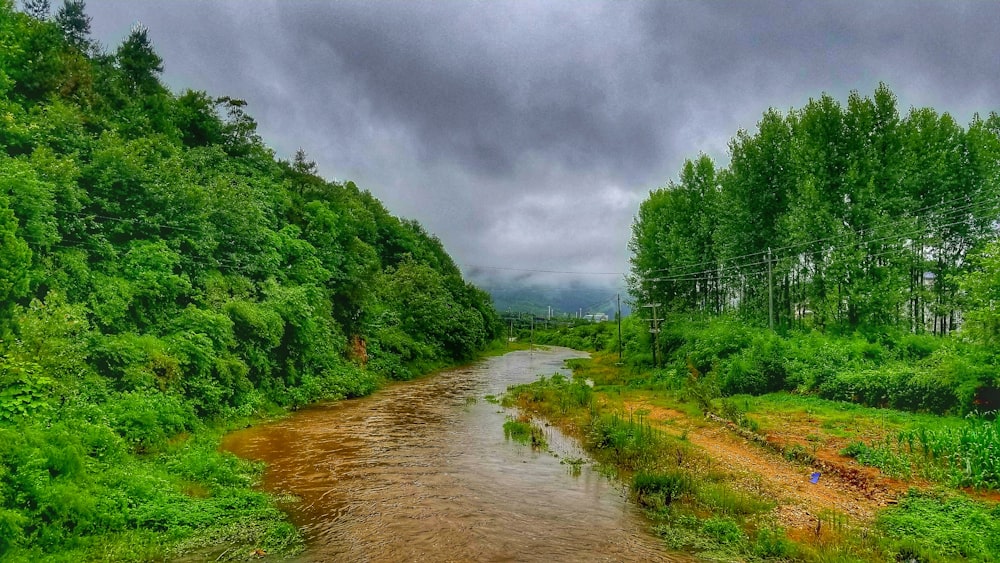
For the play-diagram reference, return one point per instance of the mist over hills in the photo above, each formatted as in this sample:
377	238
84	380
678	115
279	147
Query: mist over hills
572	300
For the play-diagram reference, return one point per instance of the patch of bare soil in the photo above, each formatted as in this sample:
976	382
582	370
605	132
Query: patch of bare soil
844	488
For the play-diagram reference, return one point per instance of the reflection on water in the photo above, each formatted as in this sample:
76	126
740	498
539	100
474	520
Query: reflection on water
420	471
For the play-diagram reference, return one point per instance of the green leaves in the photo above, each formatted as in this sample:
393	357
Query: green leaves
24	390
159	268
138	62
15	261
837	218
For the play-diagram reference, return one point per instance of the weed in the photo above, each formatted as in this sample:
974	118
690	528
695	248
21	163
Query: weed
724	530
524	432
798	453
882	455
722	499
657	490
943	524
630	444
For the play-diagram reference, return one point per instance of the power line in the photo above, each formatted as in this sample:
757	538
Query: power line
706	274
576	273
954	211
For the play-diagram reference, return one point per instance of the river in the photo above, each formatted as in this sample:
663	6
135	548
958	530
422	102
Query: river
420	471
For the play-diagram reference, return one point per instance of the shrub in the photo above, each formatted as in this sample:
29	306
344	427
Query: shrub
898	386
147	419
758	369
656	490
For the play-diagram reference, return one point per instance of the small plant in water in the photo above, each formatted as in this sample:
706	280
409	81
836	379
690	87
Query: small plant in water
575	464
524	432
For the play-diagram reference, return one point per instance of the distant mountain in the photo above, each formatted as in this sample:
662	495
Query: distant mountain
564	301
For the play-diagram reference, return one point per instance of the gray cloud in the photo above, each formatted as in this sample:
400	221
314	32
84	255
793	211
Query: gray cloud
525	134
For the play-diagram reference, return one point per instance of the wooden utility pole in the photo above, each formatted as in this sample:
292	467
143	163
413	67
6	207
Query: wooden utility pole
654	329
770	292
619	328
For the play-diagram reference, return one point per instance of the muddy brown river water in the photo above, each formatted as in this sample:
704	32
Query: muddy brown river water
420	471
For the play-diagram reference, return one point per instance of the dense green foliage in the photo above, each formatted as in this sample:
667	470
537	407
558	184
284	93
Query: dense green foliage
580	335
864	218
857	233
160	268
724	356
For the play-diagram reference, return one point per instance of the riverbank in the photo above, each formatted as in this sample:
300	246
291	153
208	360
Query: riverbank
771	476
138	476
422	468
259	525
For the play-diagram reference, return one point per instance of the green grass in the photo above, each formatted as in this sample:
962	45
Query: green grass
659	489
112	505
940	526
666	476
525	432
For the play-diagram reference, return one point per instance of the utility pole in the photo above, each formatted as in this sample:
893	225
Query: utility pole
619	328
532	346
654	329
770	291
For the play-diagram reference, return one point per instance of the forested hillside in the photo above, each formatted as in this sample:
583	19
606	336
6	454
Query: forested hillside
160	268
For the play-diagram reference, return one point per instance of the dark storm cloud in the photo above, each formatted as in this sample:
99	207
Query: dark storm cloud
482	89
525	134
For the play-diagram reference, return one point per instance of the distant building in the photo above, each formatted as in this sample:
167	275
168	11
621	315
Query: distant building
596	318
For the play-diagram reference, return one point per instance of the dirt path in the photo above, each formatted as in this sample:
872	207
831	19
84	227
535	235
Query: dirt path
842	490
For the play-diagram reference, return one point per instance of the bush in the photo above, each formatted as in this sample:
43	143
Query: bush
656	490
147	419
758	369
899	387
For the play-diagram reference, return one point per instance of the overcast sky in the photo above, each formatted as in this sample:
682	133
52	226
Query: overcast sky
525	134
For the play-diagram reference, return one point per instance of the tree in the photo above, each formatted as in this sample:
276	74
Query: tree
302	164
72	18
15	262
754	197
672	241
196	117
138	62
982	295
38	9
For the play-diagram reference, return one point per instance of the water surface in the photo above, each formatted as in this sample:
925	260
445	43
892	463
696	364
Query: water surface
420	471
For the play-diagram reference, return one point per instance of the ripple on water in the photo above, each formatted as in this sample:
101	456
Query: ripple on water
417	472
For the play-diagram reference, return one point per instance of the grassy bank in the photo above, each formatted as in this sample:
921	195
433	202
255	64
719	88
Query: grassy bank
86	496
100	475
651	430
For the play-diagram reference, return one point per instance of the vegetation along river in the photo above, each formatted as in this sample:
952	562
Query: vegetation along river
420	471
